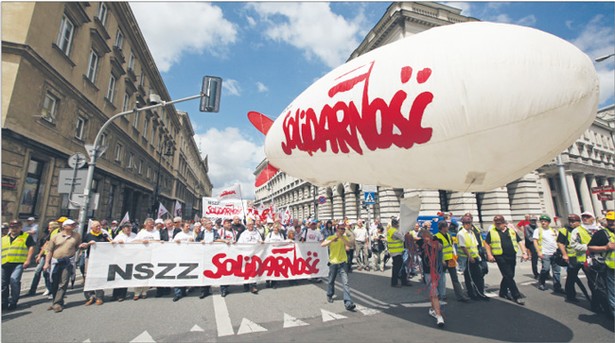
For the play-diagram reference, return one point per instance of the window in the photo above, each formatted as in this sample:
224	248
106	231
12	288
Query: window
149	172
79	128
31	188
103	140
145	127
135	121
50	106
119	39
110	201
65	36
102	13
126	104
142	78
111	90
118	152
153	134
131	160
92	66
131	62
140	167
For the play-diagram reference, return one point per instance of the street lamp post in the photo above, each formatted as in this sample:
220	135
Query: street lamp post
167	152
210	100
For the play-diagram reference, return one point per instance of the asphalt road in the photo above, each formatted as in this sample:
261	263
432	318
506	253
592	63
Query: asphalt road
301	314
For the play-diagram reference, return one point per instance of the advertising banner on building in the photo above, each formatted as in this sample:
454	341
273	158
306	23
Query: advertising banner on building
197	264
214	208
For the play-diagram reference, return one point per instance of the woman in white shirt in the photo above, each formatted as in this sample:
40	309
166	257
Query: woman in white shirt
250	236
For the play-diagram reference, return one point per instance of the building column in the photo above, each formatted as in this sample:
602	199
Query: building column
586	196
547	197
574	196
351	203
597	203
610	204
430	203
338	205
389	204
461	203
324	210
524	197
494	203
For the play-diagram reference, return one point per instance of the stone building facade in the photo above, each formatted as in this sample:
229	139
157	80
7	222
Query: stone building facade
588	163
66	68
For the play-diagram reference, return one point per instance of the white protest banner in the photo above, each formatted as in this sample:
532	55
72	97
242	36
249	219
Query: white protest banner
233	192
214	208
197	264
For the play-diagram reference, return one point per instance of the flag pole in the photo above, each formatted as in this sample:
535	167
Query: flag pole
243	210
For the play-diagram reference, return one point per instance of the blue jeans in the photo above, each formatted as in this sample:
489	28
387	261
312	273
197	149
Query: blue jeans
546	266
335	269
179	292
11	277
37	277
442	284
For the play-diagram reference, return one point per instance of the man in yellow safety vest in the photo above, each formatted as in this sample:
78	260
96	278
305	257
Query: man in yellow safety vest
502	245
572	242
17	250
603	243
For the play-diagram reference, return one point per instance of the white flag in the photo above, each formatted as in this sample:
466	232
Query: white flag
287	216
178	209
126	219
232	192
162	210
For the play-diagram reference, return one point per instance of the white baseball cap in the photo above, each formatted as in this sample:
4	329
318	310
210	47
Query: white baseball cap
158	221
587	214
68	222
31	218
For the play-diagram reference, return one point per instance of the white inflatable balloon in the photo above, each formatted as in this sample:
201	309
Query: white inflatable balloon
464	107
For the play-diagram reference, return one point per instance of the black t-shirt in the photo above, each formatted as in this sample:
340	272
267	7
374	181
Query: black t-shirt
507	245
600	238
562	238
103	237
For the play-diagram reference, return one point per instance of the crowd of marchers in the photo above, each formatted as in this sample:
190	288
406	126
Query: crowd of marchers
453	247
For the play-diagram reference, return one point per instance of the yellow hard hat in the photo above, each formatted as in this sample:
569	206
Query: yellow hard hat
610	215
61	220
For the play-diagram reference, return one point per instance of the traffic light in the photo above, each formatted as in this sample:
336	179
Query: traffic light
210	94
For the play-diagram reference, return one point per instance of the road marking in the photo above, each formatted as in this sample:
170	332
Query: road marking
87	341
329	316
143	337
248	326
290	321
365	298
223	319
527	283
423	304
196	328
367	311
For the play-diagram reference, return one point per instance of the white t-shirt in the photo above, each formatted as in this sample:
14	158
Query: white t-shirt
360	234
250	237
549	239
121	237
274	237
313	236
208	236
183	237
153	235
461	238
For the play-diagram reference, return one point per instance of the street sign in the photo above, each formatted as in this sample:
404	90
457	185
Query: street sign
78	200
322	199
605	197
89	148
67	178
369	198
77	160
370	188
603	189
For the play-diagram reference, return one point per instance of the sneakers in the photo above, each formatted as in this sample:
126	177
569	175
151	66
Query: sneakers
254	290
542	287
329	299
350	306
439	321
519	301
432	313
46	293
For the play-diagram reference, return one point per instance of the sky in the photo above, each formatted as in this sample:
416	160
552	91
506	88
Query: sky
267	53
